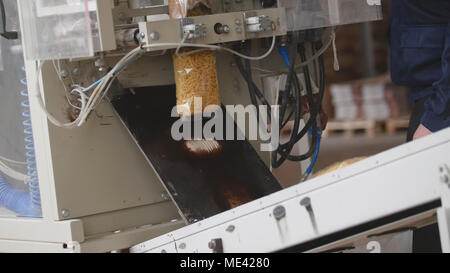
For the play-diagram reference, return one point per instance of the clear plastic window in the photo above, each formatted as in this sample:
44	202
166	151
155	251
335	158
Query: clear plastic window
308	14
59	29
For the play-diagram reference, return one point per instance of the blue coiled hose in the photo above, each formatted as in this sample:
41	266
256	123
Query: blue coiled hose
30	154
15	200
24	203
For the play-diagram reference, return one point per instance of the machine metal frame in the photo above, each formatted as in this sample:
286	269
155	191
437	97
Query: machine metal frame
391	192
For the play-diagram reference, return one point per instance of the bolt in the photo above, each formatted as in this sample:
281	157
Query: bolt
182	246
238	22
65	213
212	244
226	29
163	251
154	36
76	71
305	202
122	16
64	73
445	179
273	26
239	30
230	228
100	62
165	196
279	212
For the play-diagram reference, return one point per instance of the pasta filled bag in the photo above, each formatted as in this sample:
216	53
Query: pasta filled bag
195	74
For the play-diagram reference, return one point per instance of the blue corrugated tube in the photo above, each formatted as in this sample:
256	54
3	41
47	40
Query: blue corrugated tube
285	55
316	154
33	182
24	203
15	200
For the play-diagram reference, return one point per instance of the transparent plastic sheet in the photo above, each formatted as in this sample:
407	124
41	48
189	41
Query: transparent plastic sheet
195	74
308	14
13	118
196	77
59	29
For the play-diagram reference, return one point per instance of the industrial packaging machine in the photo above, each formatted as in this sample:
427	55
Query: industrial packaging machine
105	173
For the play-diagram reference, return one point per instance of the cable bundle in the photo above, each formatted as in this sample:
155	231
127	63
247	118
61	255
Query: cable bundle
284	150
100	89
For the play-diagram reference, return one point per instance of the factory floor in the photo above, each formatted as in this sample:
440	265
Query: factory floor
336	148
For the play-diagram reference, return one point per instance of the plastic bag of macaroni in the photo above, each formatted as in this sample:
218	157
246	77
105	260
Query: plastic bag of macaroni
195	72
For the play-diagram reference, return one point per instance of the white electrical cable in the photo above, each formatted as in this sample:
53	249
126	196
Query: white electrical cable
330	41
12	161
100	90
336	65
214	47
87	103
40	100
58	72
104	85
8	171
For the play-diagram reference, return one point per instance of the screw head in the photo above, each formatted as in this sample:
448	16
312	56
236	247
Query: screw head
445	179
65	213
212	244
76	71
230	228
226	29
154	36
64	73
279	212
165	196
305	202
182	246
122	16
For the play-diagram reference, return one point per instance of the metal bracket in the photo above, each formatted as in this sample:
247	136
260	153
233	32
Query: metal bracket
191	31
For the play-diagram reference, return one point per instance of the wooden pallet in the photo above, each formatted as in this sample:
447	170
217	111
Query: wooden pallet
349	127
395	124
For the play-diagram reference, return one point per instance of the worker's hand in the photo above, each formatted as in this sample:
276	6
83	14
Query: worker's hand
422	131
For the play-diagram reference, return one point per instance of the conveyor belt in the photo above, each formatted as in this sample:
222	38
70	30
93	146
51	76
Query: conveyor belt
202	185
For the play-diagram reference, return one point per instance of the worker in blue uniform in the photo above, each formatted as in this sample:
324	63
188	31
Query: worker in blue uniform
420	59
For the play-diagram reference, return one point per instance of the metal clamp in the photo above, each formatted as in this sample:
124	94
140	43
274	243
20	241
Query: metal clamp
258	23
190	30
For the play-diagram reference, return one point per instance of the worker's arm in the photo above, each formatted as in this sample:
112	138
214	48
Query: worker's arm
437	107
